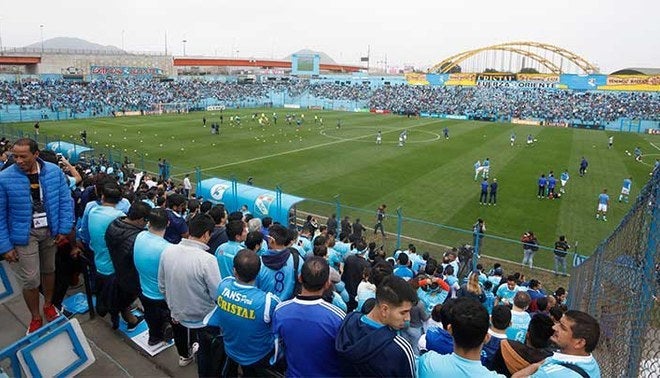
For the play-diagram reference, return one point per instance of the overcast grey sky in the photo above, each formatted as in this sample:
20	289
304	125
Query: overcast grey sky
611	34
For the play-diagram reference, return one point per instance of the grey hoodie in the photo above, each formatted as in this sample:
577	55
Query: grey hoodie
189	277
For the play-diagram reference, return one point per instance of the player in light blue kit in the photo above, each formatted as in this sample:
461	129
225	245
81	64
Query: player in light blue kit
477	169
486	168
513	139
625	189
564	180
603	202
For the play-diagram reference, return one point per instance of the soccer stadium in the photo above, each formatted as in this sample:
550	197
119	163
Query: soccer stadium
487	161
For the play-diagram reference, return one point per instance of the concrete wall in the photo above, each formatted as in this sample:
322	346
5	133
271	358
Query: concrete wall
53	63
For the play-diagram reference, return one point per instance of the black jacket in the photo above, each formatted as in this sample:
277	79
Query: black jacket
120	239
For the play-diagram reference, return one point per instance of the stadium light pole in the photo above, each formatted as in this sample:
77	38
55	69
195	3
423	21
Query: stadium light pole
1	49
184	47
41	28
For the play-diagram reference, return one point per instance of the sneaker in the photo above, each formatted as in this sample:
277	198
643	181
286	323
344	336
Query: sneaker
155	342
35	324
168	332
51	313
130	327
185	361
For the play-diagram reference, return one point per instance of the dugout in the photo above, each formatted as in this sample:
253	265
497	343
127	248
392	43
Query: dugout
260	202
72	152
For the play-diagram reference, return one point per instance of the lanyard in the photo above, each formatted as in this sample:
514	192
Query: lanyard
41	190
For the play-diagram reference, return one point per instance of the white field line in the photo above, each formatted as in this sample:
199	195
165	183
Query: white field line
301	149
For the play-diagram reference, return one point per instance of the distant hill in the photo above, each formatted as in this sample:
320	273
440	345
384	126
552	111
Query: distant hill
325	59
67	43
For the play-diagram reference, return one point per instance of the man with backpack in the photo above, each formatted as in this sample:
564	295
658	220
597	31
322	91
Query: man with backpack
280	266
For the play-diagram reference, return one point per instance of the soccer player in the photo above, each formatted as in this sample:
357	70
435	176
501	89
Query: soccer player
638	153
379	138
542	184
469	328
493	193
625	189
583	166
603	202
530	139
445	131
483	197
477	169
513	139
564	180
486	168
552	182
610	141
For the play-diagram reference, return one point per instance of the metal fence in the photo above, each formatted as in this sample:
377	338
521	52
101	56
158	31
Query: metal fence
619	285
400	229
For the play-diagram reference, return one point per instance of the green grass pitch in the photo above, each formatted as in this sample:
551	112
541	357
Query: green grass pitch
430	178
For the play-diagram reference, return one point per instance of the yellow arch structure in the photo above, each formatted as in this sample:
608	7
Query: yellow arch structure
520	48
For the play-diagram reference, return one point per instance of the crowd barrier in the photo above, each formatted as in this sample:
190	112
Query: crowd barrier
619	285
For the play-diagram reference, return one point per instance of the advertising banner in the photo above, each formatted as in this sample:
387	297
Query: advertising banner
124	71
414	78
632	83
548	78
496	77
516	84
520	121
464	79
582	82
437	79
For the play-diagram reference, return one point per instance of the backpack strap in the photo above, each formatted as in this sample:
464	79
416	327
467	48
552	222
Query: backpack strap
575	368
297	286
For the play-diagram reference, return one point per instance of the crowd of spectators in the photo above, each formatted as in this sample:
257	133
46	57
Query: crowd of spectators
104	96
243	294
495	103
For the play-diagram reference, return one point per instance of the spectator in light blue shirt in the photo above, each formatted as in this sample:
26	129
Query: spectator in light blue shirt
576	335
469	328
402	270
506	292
237	233
280	268
149	246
